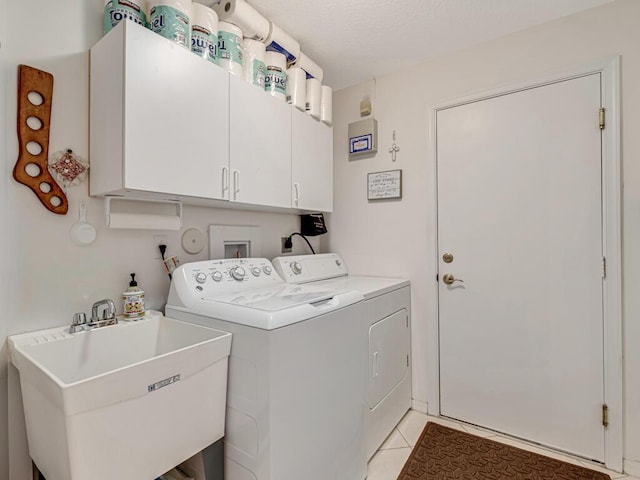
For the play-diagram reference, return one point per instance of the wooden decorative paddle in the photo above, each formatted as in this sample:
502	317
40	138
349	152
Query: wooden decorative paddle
35	93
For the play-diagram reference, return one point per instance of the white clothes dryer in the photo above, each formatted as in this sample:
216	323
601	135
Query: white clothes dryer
386	315
296	385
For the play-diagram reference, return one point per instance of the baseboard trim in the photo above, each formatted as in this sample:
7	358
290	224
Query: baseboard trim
631	467
420	406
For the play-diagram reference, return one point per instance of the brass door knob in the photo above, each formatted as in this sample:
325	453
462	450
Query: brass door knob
449	279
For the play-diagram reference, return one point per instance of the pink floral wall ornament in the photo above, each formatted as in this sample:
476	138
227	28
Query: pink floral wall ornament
68	168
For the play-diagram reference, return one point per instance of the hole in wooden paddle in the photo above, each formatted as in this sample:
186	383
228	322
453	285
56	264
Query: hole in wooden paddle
34	123
32	170
35	98
34	148
55	201
45	187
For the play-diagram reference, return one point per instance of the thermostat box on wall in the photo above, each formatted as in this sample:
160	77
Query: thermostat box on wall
363	138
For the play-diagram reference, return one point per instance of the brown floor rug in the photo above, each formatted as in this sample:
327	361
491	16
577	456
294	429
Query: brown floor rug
442	453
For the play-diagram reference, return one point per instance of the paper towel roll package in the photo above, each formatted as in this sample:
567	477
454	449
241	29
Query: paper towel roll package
314	94
204	32
240	13
253	66
275	82
172	20
309	66
230	48
116	10
281	42
297	88
326	105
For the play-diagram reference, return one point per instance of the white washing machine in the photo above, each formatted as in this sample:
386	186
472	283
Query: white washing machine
386	314
296	384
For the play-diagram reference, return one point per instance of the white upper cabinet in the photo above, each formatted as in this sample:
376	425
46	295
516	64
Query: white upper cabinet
260	146
312	163
159	117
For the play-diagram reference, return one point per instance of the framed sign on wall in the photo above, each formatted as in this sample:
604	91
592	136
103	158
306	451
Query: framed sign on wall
384	185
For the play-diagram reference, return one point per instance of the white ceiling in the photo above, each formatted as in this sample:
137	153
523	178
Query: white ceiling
356	40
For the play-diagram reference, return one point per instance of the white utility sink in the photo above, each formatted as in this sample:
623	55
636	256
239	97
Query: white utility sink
127	401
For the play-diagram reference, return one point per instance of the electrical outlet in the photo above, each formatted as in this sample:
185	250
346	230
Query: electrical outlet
285	249
158	240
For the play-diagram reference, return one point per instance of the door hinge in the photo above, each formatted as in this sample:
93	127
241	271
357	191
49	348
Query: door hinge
601	118
604	267
407	360
407	320
605	415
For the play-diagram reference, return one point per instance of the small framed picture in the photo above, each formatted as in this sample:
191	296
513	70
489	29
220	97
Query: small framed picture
384	185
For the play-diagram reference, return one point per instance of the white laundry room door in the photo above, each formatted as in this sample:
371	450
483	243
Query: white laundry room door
520	264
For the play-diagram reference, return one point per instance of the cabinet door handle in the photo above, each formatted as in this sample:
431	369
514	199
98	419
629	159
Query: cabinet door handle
296	187
225	180
236	183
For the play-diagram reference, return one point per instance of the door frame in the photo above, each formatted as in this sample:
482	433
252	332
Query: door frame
609	68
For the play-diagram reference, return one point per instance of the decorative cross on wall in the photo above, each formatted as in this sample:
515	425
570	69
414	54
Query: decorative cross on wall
393	149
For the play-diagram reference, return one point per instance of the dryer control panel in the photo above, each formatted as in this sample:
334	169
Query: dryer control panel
310	268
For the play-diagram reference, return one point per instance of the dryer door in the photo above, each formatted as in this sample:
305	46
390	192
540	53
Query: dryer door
389	344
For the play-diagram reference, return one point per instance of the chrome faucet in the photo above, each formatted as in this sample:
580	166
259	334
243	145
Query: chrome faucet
109	312
80	323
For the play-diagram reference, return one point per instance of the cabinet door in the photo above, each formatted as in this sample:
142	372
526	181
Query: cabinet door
176	112
260	146
312	163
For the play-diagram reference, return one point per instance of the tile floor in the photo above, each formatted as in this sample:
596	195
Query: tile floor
390	458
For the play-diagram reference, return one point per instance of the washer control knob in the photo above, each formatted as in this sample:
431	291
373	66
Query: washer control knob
217	276
201	277
267	270
238	273
256	271
296	267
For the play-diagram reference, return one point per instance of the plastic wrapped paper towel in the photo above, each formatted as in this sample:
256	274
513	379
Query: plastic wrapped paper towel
281	42
276	80
253	66
297	87
240	13
314	94
230	48
309	66
204	32
116	10
172	20
326	105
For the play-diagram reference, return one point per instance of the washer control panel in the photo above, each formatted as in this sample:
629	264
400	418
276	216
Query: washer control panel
233	274
310	268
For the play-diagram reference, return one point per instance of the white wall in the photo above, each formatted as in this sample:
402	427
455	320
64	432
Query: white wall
396	232
4	459
47	278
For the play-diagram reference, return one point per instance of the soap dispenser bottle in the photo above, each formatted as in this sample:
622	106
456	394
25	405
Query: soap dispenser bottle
133	298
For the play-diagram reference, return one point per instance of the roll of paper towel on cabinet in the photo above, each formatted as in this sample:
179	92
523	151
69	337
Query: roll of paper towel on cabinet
240	13
309	66
297	88
314	94
117	10
230	48
204	32
253	66
172	20
326	105
281	42
275	81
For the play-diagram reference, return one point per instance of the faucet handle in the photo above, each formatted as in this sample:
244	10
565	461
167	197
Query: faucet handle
79	318
110	311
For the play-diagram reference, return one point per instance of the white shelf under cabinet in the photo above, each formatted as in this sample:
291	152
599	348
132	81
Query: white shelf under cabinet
159	117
